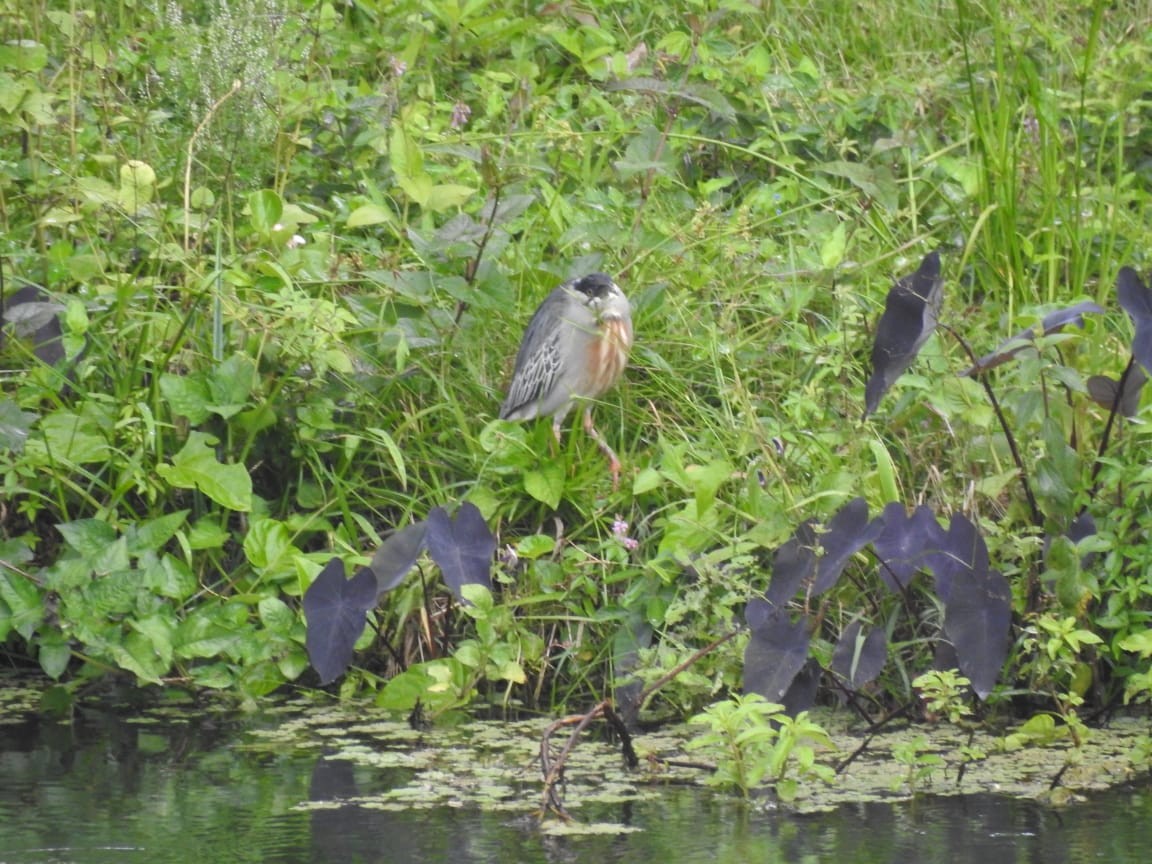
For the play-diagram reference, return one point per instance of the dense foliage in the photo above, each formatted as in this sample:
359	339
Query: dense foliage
292	246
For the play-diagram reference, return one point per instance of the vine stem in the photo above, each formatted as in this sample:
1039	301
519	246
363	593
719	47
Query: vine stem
1037	516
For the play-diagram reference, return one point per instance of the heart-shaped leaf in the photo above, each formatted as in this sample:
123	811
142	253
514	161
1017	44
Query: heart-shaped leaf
849	531
1107	392
462	548
904	542
909	318
775	653
978	621
336	609
397	555
793	564
1136	300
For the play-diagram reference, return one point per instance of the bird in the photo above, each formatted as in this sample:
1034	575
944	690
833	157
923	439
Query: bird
575	348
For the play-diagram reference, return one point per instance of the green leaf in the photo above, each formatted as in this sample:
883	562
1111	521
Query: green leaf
447	196
196	467
89	537
546	484
230	384
266	208
407	162
276	615
1140	643
368	214
69	437
706	480
151	535
833	247
268	545
186	395
534	546
21	604
54	654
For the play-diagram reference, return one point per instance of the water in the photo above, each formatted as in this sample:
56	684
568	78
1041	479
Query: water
107	789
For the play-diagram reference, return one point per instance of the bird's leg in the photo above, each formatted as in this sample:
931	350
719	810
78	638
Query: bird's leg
556	433
614	463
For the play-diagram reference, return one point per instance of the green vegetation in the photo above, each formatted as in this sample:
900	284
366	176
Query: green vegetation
292	247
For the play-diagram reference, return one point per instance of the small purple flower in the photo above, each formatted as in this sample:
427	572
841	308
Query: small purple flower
620	529
461	113
399	67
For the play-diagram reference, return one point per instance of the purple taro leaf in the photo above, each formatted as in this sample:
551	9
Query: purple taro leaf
905	542
397	555
801	693
858	659
32	314
775	653
336	609
963	551
463	548
848	533
793	565
978	621
909	318
1104	391
1136	300
1050	323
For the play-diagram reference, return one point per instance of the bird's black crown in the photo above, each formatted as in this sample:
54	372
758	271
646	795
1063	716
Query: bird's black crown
594	285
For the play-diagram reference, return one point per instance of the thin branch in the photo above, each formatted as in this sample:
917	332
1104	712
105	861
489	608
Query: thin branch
236	85
1037	516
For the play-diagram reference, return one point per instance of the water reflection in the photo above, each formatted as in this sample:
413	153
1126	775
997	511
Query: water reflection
108	788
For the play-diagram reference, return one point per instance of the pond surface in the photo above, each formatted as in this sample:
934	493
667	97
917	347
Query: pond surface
155	788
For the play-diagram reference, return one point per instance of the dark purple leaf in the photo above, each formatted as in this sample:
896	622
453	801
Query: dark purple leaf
463	548
963	551
1051	323
1136	300
1105	391
858	659
397	555
775	653
849	531
904	542
336	609
793	564
32	315
978	621
801	694
909	318
1133	295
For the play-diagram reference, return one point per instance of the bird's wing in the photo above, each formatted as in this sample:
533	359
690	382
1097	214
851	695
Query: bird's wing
537	362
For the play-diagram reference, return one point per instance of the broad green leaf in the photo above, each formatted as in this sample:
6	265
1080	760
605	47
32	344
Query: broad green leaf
266	209
833	247
196	467
276	615
89	537
186	395
446	196
54	653
546	484
268	545
369	214
535	545
137	184
68	437
21	605
151	535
